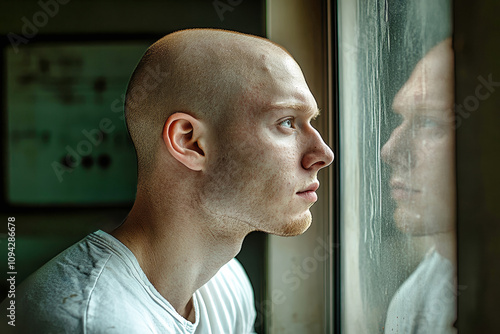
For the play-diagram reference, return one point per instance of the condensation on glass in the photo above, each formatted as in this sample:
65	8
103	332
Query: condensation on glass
397	166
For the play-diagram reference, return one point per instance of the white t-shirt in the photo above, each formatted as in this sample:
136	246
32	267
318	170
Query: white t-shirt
426	302
97	286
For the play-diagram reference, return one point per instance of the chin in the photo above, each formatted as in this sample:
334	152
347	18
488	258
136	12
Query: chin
296	227
408	222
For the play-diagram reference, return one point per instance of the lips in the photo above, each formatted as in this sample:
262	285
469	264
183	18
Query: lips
309	193
402	191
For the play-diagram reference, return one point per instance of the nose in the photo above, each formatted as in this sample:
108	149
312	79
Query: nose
318	155
397	150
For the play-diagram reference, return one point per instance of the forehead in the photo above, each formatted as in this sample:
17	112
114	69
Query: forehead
278	84
430	86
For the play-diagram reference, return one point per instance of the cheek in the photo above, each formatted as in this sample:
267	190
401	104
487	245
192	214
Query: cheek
433	152
434	175
268	170
439	177
256	173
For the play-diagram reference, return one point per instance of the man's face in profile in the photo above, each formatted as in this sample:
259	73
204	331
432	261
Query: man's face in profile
420	150
265	173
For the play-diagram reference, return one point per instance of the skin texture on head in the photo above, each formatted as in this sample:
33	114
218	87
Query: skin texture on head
421	150
221	126
190	71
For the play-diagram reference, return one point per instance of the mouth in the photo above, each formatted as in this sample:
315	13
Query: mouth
309	193
402	191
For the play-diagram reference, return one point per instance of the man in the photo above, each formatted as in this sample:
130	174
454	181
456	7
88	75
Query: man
420	152
225	147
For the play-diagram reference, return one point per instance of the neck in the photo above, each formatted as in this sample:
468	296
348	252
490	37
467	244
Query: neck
178	248
444	243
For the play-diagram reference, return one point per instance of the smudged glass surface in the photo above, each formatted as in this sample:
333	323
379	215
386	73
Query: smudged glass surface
397	166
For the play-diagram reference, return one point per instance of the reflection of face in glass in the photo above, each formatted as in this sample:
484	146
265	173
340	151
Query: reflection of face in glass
420	150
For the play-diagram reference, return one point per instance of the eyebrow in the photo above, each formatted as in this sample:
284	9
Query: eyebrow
295	106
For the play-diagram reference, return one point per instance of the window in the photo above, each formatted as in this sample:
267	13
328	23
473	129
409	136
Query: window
397	147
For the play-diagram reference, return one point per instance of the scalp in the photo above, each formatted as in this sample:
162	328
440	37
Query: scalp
202	72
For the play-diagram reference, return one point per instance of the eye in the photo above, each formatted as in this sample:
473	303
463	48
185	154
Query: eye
287	123
429	123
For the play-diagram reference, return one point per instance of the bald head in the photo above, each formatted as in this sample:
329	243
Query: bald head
200	72
431	81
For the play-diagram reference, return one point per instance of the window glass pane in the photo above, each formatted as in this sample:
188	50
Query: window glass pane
397	159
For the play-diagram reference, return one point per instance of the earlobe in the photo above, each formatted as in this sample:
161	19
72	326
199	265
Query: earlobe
184	136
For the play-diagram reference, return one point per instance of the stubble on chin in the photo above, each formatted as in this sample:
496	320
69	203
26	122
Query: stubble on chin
295	227
405	222
413	223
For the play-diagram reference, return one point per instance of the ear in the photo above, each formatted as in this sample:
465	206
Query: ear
184	137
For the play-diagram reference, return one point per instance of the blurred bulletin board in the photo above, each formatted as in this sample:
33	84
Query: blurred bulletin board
66	140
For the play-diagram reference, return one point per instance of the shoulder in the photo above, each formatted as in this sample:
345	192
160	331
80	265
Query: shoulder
425	300
56	298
